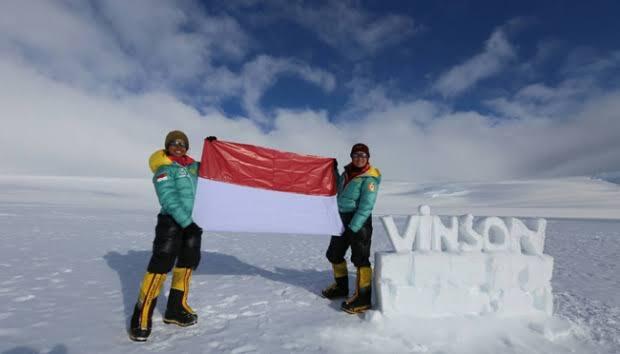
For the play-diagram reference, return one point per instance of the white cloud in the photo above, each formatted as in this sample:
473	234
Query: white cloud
118	44
584	74
587	61
546	49
174	40
118	47
497	53
539	100
262	72
55	122
62	42
344	25
350	28
53	128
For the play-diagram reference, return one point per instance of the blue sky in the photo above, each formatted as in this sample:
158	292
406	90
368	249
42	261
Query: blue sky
432	37
440	90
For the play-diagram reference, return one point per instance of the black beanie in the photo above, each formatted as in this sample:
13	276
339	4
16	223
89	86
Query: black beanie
359	147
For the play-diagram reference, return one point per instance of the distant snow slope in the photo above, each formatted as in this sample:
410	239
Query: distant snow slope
575	197
74	250
613	177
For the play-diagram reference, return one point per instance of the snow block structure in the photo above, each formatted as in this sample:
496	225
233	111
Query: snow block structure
493	267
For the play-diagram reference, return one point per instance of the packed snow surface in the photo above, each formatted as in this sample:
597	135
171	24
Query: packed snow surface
436	284
74	251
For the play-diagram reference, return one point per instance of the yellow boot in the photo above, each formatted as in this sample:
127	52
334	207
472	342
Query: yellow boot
360	301
340	286
141	322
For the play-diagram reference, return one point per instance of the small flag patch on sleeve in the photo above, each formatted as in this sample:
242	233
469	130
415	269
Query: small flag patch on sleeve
162	177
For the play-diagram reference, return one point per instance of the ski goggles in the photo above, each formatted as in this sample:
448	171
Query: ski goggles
360	155
178	143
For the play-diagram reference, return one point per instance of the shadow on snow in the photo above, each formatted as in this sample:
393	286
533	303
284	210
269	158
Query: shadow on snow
132	266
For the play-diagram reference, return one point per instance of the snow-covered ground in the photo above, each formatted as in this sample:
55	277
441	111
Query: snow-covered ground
74	251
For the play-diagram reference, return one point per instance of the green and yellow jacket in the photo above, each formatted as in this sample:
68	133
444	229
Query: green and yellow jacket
358	196
175	186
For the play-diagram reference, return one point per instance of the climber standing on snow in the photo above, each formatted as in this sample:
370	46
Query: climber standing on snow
177	238
357	192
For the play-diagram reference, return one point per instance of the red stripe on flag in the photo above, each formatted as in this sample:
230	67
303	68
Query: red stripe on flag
259	167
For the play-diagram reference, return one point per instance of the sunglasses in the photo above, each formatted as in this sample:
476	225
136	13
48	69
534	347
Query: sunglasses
361	155
178	143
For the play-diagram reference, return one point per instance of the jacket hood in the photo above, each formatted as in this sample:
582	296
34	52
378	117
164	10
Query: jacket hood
158	159
372	172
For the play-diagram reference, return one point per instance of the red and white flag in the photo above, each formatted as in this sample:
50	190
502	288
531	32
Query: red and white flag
247	188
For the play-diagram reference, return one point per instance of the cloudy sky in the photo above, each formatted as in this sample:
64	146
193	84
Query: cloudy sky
439	90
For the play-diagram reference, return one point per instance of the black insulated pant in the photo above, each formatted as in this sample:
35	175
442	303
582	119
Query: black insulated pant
358	241
173	244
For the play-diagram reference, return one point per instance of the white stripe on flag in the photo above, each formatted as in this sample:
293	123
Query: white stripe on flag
223	206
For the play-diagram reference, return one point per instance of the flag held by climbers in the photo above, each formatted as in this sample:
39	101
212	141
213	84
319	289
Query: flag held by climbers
247	188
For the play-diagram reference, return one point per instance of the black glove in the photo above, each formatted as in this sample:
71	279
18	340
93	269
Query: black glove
192	229
211	138
336	164
348	232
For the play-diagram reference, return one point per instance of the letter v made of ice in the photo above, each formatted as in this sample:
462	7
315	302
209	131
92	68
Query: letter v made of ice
418	231
424	232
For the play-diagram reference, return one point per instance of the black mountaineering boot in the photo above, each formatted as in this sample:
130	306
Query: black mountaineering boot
178	311
358	303
361	300
136	332
175	313
141	320
340	287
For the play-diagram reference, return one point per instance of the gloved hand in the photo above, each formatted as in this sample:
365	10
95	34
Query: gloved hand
211	138
348	232
192	229
336	164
